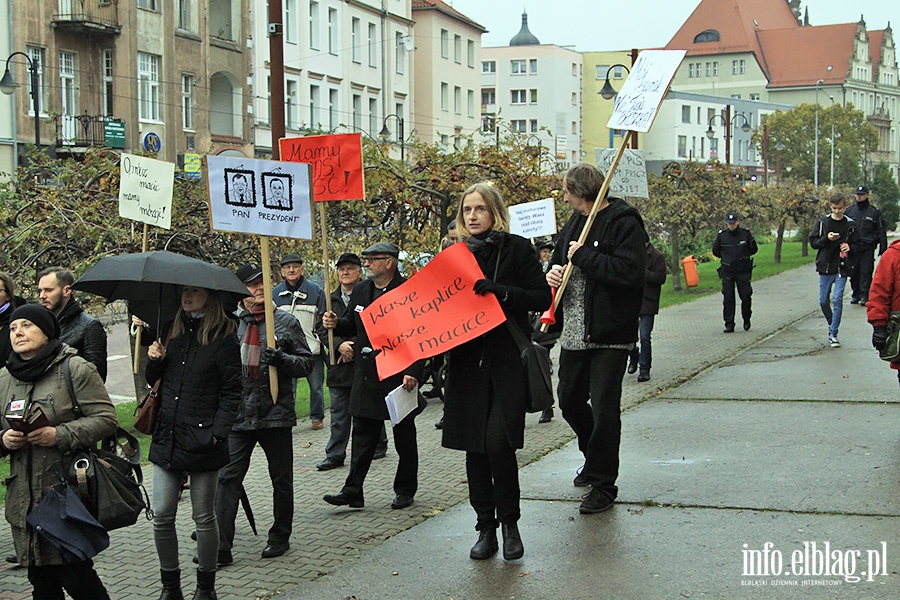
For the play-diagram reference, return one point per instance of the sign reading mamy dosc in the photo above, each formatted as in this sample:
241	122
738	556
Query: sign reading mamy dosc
337	169
432	312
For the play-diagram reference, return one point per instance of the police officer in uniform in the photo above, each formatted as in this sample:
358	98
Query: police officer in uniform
872	233
734	246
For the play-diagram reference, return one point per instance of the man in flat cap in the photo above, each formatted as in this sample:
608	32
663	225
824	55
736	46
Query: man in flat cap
367	393
872	234
734	246
306	301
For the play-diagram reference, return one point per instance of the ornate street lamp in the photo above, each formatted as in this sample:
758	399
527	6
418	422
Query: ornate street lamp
385	133
8	86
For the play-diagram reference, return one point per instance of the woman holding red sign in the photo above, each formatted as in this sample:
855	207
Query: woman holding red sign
485	396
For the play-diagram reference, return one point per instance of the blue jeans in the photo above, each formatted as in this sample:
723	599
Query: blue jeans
832	315
645	326
166	491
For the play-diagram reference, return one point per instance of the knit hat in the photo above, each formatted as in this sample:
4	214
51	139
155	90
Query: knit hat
40	316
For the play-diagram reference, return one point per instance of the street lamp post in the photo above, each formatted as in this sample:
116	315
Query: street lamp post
832	140
727	121
816	160
8	86
608	92
385	133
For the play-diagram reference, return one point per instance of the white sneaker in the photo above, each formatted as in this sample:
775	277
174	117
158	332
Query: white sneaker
832	339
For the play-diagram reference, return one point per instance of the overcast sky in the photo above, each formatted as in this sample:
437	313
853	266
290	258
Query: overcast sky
633	23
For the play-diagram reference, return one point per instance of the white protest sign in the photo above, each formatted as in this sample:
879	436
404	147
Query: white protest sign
643	91
630	178
145	190
263	197
533	219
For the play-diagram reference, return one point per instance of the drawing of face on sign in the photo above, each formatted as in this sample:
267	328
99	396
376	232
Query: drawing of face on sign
277	191
240	188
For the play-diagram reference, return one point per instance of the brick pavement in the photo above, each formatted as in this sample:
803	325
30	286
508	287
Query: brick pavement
687	339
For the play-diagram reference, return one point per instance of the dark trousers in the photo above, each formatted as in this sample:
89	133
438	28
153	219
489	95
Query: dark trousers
594	375
645	328
336	448
861	275
744	290
79	580
366	436
494	476
277	444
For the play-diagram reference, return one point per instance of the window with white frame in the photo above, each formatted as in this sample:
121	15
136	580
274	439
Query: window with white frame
488	66
691	73
682	146
147	4
574	127
457	49
532	66
457	99
314	25
518	96
445	96
373	46
742	66
148	87
518	66
357	112
470	53
314	103
470	103
734	67
574	99
686	113
445	43
291	117
374	126
533	125
106	92
488	96
715	68
333	109
532	96
187	102
332	31
600	72
67	83
519	125
398	110
290	18
182	14
399	53
37	57
355	40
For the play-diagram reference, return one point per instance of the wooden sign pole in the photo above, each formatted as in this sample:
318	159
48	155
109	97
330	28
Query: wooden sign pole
137	334
601	196
326	264
270	311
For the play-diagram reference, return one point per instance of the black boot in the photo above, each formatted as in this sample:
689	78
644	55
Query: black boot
546	416
512	543
171	582
486	546
206	586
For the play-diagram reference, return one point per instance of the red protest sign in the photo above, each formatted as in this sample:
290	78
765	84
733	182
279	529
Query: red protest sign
336	163
434	311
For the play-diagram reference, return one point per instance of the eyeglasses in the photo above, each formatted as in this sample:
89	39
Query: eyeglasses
371	259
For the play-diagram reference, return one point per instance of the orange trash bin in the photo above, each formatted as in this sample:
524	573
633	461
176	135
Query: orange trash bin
691	276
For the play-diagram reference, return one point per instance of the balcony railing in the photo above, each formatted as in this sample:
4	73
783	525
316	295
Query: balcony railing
92	17
85	130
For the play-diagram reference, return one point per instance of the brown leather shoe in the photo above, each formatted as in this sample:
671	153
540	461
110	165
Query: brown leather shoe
316	424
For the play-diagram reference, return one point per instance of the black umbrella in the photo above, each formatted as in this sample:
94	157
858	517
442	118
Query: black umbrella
151	282
61	519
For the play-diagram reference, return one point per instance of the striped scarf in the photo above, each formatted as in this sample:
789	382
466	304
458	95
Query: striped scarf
250	345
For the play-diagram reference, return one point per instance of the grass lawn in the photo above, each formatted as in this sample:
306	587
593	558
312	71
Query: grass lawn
709	279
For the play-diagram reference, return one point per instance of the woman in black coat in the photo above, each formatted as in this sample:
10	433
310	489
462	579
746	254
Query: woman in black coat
485	396
200	367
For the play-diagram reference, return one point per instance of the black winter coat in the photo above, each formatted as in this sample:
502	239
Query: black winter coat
199	398
657	271
735	249
257	411
828	255
614	262
84	333
869	225
367	393
488	370
339	374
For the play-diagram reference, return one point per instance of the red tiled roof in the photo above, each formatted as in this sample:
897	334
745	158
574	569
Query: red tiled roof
448	10
736	21
876	38
801	56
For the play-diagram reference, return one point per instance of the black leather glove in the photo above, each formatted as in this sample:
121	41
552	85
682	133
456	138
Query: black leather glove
483	286
273	356
879	336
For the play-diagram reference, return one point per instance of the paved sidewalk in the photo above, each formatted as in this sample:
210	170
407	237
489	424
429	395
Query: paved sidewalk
688	339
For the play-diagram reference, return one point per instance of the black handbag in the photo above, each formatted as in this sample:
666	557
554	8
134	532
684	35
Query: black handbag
109	480
536	360
891	349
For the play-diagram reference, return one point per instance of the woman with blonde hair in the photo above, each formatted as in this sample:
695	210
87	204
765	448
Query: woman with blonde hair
200	368
485	394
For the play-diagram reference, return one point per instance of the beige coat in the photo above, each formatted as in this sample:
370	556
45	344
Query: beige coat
26	487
